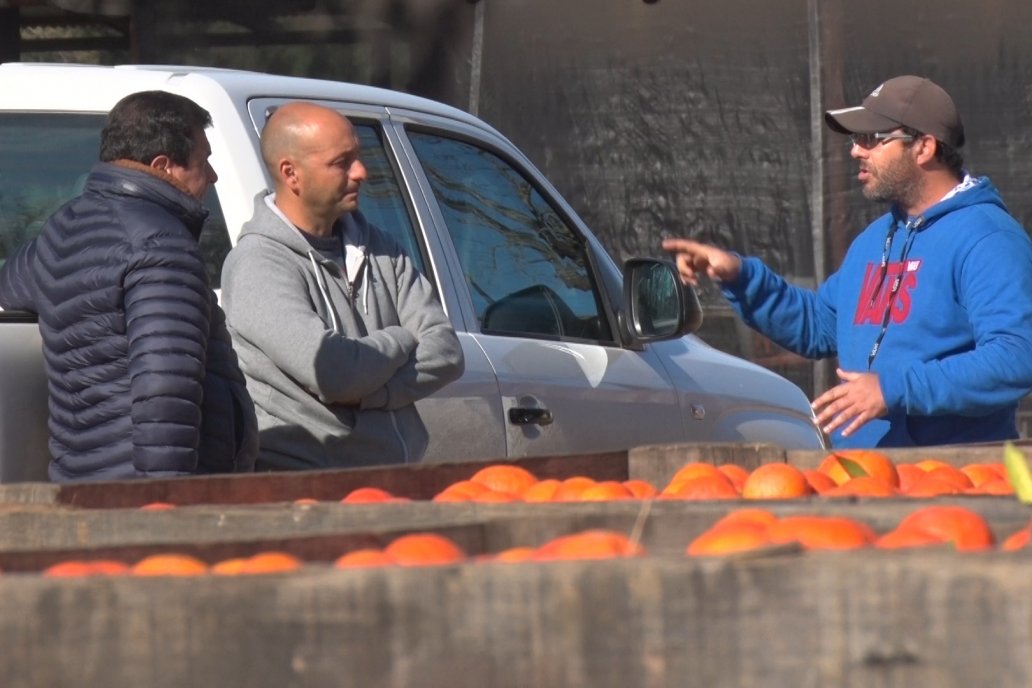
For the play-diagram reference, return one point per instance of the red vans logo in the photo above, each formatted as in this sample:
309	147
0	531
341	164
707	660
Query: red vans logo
874	296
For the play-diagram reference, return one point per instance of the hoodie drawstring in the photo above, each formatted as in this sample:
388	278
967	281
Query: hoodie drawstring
324	291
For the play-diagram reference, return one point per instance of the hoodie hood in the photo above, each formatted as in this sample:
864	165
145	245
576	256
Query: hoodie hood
273	225
970	192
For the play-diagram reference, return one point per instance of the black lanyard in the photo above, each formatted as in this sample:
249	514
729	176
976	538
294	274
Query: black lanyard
883	269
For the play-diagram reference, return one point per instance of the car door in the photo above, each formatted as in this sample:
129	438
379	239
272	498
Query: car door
538	312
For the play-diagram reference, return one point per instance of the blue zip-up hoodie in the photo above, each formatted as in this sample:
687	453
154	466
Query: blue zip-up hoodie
956	354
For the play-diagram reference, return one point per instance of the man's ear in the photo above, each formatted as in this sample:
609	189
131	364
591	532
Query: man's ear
288	173
926	147
161	163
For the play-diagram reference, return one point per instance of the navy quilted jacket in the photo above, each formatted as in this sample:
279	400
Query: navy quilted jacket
142	377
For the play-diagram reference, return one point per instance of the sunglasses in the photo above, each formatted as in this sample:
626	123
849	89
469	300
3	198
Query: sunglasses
869	141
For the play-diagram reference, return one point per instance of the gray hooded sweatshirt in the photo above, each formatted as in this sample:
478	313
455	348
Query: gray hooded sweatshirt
334	368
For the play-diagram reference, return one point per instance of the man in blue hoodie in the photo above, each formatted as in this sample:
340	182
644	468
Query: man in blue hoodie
930	313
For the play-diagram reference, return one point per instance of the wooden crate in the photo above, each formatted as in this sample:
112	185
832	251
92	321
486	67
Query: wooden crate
656	464
851	620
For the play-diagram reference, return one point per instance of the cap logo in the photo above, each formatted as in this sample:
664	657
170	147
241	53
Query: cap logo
875	92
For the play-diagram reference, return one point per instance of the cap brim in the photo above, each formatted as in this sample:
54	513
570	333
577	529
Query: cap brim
858	120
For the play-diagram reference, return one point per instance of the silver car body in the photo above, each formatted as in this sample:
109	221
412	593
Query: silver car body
602	395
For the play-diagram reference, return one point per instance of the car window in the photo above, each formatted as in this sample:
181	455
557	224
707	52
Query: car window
381	199
527	270
44	161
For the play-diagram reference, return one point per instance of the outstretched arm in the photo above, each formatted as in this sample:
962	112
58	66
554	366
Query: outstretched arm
694	258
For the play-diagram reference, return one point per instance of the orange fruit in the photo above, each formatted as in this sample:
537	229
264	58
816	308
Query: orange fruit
421	549
995	487
169	565
505	478
1000	469
605	491
641	489
589	544
964	528
363	558
761	517
109	567
96	567
900	539
979	473
271	562
570	489
541	491
953	476
461	491
820	482
843	464
729	538
821	532
865	486
932	486
306	501
930	464
494	496
737	474
776	481
157	506
716	486
514	554
1017	540
71	568
909	474
694	469
229	567
367	495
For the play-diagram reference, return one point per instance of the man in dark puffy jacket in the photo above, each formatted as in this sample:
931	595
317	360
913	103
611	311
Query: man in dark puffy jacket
143	381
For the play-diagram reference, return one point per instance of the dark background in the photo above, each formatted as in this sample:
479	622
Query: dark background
698	118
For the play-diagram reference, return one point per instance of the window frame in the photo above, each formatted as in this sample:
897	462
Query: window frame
597	275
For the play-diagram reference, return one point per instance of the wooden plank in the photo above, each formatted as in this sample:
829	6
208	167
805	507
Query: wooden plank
416	481
850	620
665	526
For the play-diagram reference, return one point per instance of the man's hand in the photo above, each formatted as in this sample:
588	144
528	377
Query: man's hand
855	401
693	259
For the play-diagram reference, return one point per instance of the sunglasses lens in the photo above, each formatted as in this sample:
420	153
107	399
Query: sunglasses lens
865	141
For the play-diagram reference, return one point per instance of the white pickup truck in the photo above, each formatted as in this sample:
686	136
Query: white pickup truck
559	358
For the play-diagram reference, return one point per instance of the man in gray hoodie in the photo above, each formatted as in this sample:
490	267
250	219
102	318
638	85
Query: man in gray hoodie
337	332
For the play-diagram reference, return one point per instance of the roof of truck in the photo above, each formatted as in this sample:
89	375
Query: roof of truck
50	86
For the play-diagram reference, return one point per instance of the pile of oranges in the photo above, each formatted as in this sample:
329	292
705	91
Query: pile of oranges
864	472
867	473
940	525
413	549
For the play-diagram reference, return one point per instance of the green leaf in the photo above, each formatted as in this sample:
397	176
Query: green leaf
1017	472
854	469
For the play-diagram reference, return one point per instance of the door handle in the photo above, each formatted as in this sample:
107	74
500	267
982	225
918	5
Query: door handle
522	415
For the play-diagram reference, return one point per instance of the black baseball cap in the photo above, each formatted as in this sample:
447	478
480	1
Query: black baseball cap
903	101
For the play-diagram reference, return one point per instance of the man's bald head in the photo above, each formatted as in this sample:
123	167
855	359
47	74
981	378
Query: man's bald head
312	154
294	129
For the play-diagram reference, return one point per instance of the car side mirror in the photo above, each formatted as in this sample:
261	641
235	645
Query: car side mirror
658	305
